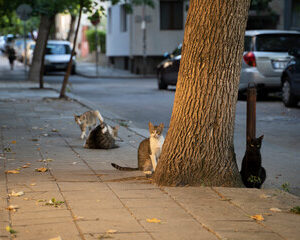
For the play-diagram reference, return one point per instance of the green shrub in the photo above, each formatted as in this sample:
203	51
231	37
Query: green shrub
90	34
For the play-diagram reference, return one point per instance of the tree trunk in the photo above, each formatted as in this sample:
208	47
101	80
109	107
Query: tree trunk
36	68
72	25
67	74
198	149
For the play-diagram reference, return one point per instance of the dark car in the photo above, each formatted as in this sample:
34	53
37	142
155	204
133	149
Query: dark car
290	80
167	70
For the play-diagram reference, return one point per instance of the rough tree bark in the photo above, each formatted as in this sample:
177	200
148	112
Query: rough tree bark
36	70
198	149
67	74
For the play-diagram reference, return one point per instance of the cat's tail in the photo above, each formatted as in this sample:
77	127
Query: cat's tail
99	116
124	168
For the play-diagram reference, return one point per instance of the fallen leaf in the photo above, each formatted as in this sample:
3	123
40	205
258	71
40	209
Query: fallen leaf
32	184
54	130
45	134
12	208
25	166
7	149
12	171
111	231
77	218
28	163
153	220
38	149
265	196
41	200
258	217
13	142
275	210
10	230
56	238
41	169
16	194
25	198
34	140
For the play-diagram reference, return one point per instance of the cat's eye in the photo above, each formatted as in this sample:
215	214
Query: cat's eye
257	145
251	145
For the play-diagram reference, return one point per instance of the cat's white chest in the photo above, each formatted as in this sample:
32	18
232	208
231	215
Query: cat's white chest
156	145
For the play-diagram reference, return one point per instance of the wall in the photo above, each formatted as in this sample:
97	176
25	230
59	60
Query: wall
117	42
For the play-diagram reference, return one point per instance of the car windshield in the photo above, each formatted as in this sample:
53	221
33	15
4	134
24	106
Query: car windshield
276	42
177	51
58	49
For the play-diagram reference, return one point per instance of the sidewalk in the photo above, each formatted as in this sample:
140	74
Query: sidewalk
95	201
88	69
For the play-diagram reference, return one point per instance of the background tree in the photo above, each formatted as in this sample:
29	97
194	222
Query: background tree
199	144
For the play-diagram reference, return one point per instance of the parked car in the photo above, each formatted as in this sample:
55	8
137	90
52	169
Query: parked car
2	43
265	57
167	70
57	56
290	80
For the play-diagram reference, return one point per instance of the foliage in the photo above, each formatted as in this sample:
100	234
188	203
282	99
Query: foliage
295	210
285	187
260	5
90	34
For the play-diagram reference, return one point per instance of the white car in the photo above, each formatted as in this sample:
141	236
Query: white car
57	56
265	57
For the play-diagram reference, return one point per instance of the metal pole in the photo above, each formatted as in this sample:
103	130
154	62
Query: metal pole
25	48
97	54
251	113
144	38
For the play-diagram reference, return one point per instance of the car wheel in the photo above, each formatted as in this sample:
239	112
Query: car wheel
160	81
288	98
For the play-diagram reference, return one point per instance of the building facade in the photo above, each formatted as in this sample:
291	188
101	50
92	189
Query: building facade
137	41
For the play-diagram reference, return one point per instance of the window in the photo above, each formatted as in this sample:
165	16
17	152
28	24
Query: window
277	42
247	44
58	49
123	19
109	20
171	15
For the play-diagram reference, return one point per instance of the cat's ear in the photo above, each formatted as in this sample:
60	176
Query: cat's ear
261	137
150	126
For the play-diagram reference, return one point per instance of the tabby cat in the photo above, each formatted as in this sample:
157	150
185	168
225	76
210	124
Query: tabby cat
100	138
253	174
149	150
89	119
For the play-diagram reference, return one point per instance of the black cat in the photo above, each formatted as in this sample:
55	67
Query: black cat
253	174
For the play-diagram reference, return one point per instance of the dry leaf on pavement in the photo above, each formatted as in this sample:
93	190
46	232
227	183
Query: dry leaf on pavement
16	194
111	231
12	208
258	217
56	238
41	169
12	171
13	142
32	184
275	210
25	166
54	130
153	220
10	230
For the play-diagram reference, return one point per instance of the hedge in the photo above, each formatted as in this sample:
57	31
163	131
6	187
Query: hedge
90	34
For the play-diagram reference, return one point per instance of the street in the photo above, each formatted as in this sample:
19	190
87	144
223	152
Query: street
137	101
